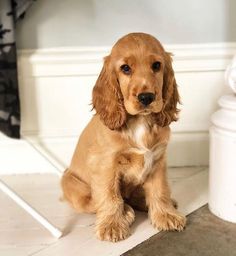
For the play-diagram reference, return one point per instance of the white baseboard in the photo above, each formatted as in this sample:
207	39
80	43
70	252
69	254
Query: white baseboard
23	157
18	157
55	92
188	149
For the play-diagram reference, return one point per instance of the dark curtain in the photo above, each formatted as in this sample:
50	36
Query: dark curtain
10	12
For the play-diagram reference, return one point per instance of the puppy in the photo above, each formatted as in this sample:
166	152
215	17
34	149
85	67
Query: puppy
120	160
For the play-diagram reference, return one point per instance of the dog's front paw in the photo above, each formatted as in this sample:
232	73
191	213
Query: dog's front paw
172	220
115	227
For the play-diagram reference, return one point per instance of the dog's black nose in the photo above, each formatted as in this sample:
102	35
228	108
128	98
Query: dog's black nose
146	98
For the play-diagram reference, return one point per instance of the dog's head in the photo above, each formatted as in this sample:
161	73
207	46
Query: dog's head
137	78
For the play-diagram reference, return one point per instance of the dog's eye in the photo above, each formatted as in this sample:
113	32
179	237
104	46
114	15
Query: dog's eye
126	69
156	66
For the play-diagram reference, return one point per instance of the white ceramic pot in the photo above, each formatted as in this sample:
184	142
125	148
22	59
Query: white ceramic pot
222	176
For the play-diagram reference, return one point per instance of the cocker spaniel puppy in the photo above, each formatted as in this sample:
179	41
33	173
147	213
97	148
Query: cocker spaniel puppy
120	160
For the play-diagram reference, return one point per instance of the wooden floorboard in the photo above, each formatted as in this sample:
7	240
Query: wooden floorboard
20	234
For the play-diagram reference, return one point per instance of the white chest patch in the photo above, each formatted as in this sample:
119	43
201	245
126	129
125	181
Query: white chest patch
138	135
148	154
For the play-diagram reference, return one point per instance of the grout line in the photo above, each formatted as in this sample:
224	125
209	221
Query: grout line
42	249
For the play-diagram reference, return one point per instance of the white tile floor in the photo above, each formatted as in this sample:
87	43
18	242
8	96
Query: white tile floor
20	235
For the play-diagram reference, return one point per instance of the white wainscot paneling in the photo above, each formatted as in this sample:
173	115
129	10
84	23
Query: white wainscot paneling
56	87
56	106
199	93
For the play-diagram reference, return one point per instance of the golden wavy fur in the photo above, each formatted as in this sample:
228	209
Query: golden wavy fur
120	160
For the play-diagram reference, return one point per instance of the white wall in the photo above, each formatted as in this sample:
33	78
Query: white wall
56	23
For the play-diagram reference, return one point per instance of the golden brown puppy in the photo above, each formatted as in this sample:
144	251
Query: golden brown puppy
120	159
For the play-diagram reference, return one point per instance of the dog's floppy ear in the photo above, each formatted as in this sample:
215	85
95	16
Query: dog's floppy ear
107	97
170	95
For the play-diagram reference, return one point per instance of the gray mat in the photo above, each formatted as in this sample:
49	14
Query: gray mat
205	235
